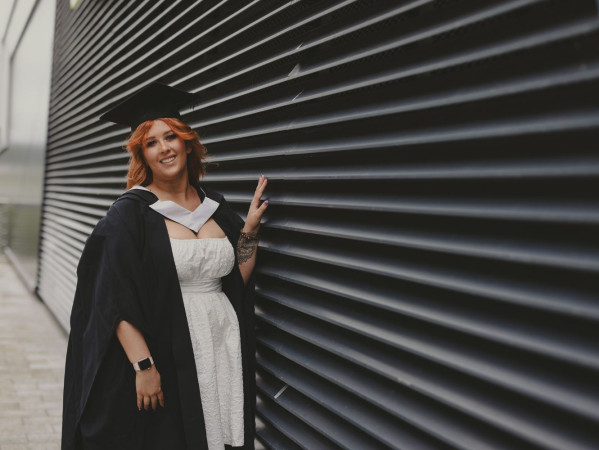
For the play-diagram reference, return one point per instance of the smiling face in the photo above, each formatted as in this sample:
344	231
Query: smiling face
140	173
165	153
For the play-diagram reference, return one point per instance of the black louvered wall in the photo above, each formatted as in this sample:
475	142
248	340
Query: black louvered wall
428	269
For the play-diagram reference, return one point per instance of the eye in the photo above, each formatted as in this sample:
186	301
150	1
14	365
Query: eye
150	143
170	137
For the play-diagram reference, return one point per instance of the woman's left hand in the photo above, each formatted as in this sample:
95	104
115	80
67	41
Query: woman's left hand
252	222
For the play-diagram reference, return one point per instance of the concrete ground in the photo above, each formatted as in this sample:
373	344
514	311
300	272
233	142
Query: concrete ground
32	354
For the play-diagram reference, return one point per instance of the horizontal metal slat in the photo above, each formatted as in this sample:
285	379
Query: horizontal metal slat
525	424
83	210
523	252
84	33
98	42
394	434
84	200
81	190
558	389
74	29
324	421
69	215
544	169
300	435
63	182
434	430
485	285
533	211
540	39
57	239
67	227
62	266
62	123
543	82
84	91
540	337
483	360
54	160
297	50
270	437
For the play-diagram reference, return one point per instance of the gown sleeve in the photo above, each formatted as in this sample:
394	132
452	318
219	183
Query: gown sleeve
109	289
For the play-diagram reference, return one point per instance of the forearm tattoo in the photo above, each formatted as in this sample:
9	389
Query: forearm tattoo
246	249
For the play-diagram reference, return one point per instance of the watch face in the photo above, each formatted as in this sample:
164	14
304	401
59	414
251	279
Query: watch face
145	364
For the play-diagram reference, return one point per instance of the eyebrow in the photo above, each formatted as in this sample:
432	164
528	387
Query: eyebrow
164	134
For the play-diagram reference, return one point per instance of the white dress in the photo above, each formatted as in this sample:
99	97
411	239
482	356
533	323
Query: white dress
214	334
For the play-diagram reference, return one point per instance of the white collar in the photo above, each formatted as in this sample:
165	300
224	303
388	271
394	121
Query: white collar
190	219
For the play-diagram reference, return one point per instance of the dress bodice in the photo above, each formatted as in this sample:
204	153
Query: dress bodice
201	263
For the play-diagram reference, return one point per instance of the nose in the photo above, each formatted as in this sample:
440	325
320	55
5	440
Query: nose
163	145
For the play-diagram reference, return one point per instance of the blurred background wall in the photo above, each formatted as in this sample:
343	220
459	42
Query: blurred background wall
27	31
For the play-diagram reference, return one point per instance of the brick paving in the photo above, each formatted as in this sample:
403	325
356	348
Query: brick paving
32	353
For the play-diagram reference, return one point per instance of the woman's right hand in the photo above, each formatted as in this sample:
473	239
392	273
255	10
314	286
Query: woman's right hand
149	391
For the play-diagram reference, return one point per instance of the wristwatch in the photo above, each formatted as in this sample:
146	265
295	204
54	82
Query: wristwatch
143	364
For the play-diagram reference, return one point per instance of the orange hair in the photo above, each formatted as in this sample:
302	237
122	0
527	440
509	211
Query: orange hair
139	172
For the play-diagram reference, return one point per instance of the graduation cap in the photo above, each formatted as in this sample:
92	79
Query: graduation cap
151	102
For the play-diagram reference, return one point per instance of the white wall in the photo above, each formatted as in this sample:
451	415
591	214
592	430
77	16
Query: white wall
27	36
14	18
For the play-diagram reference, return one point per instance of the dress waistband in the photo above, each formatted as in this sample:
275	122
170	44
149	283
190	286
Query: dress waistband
201	286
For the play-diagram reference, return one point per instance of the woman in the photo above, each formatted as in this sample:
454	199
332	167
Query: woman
161	351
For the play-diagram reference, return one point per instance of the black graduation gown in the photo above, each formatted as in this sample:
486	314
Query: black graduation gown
127	272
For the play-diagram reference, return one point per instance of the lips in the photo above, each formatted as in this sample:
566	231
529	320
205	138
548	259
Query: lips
167	160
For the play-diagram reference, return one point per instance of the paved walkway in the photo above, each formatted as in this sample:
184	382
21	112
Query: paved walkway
32	353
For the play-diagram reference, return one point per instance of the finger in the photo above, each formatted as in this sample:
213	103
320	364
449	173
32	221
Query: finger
263	207
264	183
154	400
257	194
255	204
260	181
139	401
261	184
146	403
161	398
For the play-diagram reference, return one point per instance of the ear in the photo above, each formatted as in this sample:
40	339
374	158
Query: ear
187	148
